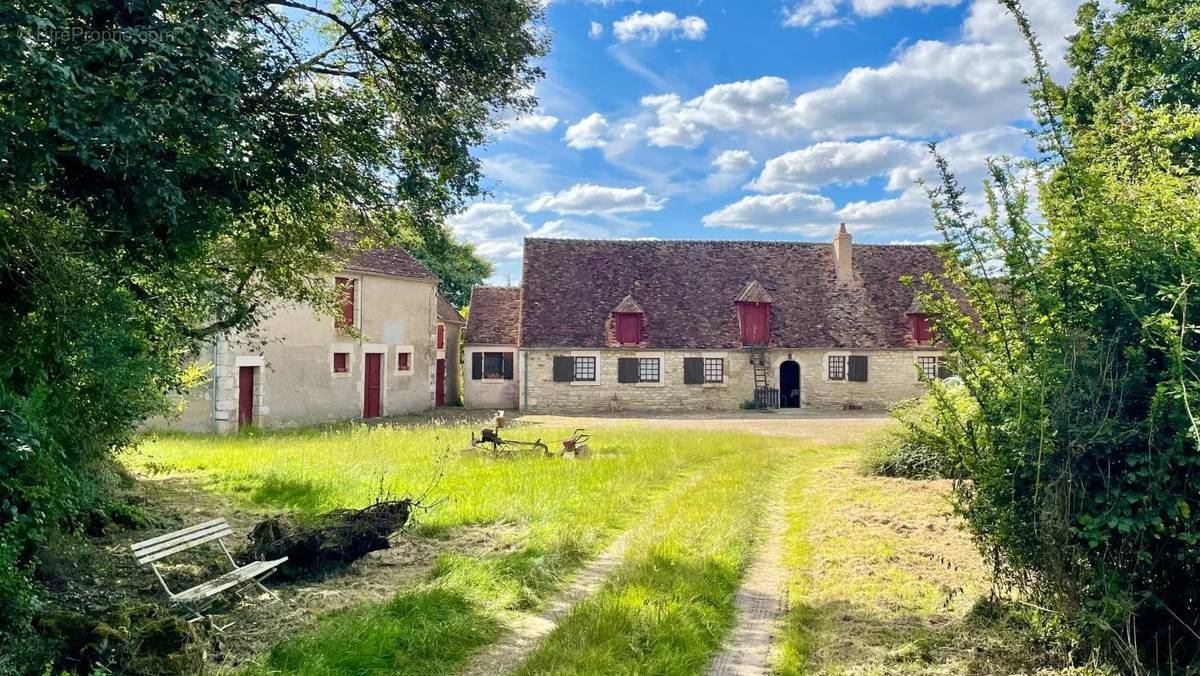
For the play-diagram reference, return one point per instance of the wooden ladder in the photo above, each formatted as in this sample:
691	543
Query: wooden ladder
758	359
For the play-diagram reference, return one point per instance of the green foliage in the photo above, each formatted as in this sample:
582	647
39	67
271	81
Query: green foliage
924	445
1082	347
170	168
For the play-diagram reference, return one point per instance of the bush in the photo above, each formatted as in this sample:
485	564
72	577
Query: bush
1081	346
923	445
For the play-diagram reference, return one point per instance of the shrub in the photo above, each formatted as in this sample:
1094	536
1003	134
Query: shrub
1082	349
923	445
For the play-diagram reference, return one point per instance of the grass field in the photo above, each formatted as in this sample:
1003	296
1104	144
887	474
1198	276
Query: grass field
882	580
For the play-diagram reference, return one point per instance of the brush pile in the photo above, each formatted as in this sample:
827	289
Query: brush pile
315	544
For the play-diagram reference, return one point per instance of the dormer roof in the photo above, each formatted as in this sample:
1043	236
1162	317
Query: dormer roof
628	306
754	293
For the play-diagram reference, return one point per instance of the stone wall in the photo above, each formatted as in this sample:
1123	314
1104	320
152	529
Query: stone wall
892	377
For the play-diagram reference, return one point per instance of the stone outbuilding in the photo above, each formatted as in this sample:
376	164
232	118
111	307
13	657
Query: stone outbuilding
609	325
490	348
391	350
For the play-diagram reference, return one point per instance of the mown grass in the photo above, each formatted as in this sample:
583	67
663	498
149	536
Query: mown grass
885	582
563	511
669	605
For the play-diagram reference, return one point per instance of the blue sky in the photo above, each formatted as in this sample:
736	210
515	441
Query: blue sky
771	119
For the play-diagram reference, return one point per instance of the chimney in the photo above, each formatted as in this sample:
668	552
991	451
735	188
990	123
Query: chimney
843	255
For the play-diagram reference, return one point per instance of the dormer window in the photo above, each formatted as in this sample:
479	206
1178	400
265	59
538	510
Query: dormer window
918	323
754	314
628	321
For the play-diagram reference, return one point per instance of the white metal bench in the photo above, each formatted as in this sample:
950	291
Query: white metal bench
201	596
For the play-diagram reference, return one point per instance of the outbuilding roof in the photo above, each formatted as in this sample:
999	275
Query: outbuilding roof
447	312
689	289
494	315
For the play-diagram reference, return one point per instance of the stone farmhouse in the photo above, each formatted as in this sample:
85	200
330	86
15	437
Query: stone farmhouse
304	367
703	326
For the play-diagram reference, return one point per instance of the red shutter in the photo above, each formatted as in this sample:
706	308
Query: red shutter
629	328
345	288
441	337
402	361
755	319
919	323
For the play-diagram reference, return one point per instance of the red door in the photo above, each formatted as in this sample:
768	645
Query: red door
245	396
440	385
371	383
755	320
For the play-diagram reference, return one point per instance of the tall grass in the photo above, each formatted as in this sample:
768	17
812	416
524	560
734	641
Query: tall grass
669	605
563	511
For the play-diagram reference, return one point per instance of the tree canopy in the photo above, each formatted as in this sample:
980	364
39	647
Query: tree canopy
168	168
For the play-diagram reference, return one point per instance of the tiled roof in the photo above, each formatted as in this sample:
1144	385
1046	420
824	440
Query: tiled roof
494	315
447	312
688	290
384	261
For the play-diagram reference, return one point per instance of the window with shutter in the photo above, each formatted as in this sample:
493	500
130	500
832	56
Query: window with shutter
403	361
493	365
564	369
857	368
693	371
585	369
345	292
627	370
919	324
649	370
341	362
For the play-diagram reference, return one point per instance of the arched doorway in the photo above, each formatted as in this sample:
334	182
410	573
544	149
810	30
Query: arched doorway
789	384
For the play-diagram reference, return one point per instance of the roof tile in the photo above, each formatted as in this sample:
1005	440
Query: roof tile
494	316
688	290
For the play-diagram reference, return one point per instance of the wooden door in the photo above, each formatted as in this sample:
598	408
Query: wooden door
245	396
440	385
372	381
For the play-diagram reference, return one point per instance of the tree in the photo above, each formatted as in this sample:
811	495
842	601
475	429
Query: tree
167	167
1082	350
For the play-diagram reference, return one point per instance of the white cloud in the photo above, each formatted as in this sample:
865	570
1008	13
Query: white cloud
819	14
734	161
643	27
756	105
589	132
588	198
835	162
516	171
595	30
532	123
496	230
932	88
795	212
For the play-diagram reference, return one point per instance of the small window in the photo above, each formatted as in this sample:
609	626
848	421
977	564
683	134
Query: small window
837	368
341	362
585	368
648	370
441	336
403	361
932	368
493	365
714	370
